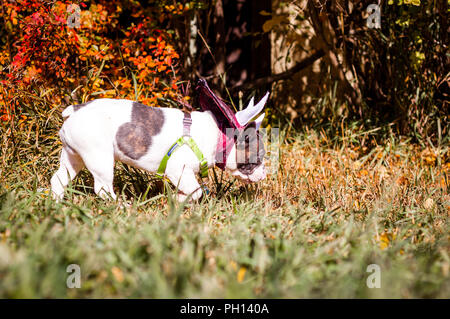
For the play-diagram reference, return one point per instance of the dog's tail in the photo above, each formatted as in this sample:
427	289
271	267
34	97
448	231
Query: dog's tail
68	111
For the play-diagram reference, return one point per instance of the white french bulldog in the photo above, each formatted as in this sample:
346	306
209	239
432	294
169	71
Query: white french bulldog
98	133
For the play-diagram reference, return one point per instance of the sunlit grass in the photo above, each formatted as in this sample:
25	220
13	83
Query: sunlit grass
334	206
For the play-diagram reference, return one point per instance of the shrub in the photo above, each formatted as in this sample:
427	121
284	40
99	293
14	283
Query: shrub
58	50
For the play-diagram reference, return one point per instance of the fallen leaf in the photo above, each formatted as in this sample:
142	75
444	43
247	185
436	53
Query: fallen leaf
429	204
117	273
241	274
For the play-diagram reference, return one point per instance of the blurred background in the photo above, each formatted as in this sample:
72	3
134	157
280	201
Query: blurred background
362	169
323	61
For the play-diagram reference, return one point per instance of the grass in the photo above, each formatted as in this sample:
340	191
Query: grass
311	229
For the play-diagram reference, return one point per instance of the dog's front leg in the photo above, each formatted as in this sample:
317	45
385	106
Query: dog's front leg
187	185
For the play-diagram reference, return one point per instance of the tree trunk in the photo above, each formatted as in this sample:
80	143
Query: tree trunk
219	37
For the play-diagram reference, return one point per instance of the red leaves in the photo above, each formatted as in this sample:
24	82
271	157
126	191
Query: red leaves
50	54
44	39
150	53
37	18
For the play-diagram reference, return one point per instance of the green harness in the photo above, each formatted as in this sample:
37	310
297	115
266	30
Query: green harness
185	139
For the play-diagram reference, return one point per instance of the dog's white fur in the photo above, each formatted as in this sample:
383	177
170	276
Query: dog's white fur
89	140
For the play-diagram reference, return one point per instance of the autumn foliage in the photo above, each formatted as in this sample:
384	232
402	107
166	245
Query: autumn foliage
66	52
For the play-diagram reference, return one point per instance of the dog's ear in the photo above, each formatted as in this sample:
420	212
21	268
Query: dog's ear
208	101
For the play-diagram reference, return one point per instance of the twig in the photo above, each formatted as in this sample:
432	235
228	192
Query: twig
220	75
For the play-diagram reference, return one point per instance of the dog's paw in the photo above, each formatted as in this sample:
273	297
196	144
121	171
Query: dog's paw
124	204
181	197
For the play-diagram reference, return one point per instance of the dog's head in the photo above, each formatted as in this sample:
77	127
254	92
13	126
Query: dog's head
241	148
246	158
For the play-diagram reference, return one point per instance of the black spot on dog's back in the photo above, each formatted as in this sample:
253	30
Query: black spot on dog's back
135	138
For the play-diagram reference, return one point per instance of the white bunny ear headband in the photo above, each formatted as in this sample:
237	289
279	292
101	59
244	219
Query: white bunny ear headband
226	118
224	115
246	115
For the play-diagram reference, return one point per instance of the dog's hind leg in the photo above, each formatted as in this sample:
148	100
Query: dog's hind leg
101	165
69	166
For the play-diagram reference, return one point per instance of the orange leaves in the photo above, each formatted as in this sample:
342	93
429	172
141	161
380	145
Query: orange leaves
117	274
385	239
241	274
103	56
4	58
124	83
428	156
41	40
176	9
364	172
31	74
161	67
148	52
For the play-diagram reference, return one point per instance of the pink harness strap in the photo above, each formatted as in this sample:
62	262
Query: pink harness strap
223	149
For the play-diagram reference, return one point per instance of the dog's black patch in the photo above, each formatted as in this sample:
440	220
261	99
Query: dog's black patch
249	150
135	138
